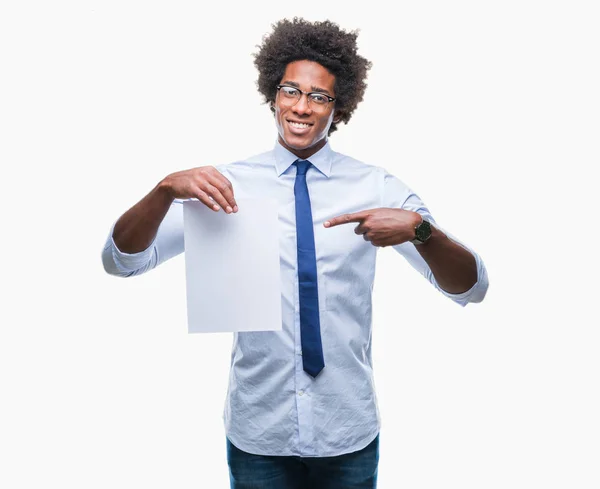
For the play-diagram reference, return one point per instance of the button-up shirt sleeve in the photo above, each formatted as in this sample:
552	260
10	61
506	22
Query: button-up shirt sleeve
167	243
397	195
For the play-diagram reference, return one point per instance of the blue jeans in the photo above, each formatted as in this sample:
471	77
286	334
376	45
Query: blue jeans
356	470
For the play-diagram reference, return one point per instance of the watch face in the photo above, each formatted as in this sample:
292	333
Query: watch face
423	231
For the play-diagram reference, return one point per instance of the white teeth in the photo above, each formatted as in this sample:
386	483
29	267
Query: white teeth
298	124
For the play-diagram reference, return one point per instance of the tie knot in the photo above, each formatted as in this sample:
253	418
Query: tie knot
302	166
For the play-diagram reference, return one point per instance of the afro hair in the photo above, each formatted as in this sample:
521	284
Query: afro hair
321	42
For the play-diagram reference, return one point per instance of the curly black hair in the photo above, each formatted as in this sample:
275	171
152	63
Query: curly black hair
322	42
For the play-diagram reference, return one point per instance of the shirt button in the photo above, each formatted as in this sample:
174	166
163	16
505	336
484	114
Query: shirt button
300	393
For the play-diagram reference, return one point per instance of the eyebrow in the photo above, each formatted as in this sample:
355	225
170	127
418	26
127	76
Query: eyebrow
313	88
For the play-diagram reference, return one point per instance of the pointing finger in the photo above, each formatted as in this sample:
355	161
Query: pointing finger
346	218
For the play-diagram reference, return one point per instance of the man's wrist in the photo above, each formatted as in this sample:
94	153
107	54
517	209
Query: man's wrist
164	190
423	231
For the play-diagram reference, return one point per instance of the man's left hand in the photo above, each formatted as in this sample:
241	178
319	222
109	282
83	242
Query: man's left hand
382	226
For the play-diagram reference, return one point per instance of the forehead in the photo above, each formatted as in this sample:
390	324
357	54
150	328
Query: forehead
309	75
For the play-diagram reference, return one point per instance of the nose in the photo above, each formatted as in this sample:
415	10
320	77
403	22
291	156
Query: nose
302	106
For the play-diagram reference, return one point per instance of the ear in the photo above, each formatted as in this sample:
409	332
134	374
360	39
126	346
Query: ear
337	116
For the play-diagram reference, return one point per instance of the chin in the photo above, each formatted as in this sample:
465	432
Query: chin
300	143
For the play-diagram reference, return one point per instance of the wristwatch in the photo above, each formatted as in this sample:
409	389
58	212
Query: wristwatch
422	232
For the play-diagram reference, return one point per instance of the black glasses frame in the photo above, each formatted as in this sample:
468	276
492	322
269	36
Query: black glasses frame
308	94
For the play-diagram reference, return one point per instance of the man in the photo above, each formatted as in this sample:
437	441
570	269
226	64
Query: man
301	410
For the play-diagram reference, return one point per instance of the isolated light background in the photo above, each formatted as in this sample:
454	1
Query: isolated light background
489	110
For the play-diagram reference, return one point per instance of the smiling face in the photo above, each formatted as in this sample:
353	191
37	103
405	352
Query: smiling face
303	127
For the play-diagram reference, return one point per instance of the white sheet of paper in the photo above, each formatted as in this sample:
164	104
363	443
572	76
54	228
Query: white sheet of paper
232	269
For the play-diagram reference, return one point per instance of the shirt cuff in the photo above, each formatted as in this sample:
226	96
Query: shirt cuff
128	262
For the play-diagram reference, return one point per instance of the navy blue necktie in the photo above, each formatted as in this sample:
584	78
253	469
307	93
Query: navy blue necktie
310	327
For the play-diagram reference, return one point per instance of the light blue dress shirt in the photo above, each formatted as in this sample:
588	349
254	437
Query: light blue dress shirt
272	406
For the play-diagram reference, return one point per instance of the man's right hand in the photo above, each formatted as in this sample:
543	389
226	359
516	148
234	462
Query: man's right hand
204	183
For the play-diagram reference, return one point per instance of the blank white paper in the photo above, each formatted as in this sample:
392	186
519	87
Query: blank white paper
233	280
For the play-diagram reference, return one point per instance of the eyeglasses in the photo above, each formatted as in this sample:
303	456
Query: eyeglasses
290	96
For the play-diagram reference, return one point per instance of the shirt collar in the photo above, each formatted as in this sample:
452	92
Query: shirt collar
321	160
